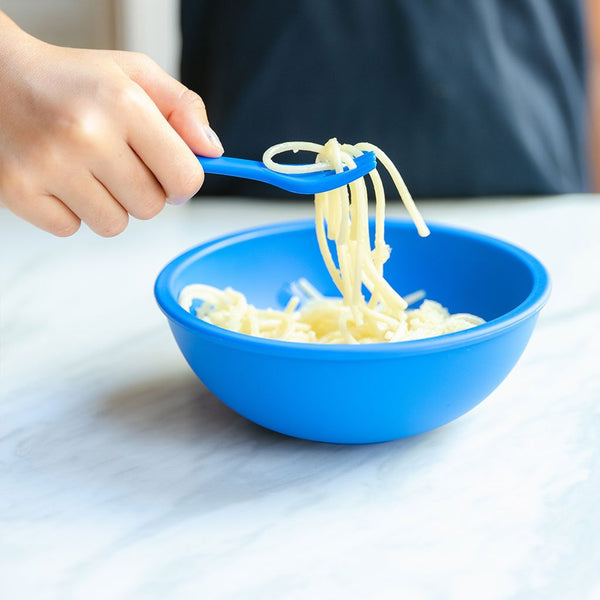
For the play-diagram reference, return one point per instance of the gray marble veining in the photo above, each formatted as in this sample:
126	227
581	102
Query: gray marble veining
122	477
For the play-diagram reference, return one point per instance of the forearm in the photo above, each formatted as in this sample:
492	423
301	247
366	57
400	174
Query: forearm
6	25
593	20
12	39
595	129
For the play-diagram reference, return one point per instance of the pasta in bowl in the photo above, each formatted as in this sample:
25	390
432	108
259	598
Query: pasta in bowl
367	368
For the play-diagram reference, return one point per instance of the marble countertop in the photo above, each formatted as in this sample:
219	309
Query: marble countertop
122	477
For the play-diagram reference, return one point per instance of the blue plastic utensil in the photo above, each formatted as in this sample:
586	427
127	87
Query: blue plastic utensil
299	183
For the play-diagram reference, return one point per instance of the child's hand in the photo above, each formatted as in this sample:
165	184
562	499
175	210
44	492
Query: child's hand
94	136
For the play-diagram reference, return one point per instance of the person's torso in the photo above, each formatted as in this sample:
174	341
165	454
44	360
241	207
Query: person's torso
468	97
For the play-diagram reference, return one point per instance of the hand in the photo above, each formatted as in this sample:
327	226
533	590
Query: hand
94	136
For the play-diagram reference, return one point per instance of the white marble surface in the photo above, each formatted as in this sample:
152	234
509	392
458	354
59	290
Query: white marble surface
121	477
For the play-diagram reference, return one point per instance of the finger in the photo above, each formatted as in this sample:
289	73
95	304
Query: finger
162	150
131	183
94	205
46	212
184	118
183	108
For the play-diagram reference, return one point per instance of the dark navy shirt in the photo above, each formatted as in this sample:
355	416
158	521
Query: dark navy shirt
468	97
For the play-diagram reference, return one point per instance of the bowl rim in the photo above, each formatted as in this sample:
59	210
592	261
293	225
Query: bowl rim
532	304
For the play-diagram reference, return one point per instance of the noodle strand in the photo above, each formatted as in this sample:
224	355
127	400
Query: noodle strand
341	217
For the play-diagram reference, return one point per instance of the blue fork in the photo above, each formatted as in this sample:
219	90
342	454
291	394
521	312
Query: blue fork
299	183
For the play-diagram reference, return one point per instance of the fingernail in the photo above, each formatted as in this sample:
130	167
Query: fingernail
176	200
213	138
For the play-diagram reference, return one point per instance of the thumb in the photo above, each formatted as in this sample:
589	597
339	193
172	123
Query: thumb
183	108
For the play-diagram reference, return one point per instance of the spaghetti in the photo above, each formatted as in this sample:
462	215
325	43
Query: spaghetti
341	215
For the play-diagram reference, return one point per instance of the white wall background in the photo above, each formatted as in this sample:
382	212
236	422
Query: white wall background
149	26
152	27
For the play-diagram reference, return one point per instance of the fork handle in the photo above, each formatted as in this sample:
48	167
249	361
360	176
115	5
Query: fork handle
237	167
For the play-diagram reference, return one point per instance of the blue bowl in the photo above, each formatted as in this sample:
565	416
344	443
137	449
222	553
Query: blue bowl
358	393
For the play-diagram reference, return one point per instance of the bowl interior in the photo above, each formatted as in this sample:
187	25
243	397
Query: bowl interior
466	272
